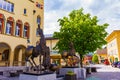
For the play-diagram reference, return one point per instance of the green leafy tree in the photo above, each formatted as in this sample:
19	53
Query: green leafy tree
95	59
83	31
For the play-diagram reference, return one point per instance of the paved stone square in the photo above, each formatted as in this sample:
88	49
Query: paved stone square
103	73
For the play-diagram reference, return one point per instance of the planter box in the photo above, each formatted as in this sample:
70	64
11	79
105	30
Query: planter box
80	72
70	77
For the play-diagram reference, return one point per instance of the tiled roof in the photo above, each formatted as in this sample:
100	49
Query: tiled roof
102	51
49	37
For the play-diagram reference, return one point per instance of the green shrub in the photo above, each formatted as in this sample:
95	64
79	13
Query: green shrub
95	58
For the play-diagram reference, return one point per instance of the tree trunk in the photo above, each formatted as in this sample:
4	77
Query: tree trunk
81	64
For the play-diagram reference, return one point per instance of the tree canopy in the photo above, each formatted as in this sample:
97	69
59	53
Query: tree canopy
82	30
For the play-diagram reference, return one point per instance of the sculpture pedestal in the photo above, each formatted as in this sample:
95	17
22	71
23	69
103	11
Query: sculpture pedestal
80	72
37	77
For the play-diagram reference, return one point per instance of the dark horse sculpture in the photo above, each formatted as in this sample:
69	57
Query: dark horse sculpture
40	50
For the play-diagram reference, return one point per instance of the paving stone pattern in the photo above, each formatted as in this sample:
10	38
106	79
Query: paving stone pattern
103	73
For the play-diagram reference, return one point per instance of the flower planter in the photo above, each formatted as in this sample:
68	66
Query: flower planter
70	77
80	72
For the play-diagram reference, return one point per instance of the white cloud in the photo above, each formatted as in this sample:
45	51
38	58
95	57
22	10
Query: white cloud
107	11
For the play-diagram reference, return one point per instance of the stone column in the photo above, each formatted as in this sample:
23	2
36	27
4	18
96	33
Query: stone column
20	57
11	58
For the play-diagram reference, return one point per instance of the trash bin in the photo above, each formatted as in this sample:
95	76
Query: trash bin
88	70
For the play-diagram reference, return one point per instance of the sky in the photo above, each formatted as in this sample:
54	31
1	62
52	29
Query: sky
107	11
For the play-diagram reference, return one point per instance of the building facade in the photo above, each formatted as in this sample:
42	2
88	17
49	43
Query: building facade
102	54
18	28
51	42
113	46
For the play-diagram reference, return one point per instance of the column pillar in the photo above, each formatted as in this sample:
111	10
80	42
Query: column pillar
11	59
20	57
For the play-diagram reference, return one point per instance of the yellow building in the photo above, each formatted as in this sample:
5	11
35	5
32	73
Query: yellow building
51	42
102	54
18	28
113	46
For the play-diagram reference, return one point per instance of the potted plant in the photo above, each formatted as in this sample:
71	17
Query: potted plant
70	75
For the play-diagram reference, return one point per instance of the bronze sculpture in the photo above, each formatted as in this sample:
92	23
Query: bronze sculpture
39	50
70	57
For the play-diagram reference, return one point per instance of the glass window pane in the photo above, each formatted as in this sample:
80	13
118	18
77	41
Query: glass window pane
8	6
12	8
4	5
37	33
8	28
24	11
1	3
16	30
0	26
25	31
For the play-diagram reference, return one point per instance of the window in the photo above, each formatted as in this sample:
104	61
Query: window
38	19
25	11
37	33
1	1
12	8
26	30
6	5
18	30
9	26
1	23
0	26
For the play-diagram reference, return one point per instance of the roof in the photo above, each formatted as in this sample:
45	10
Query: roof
112	34
49	37
102	51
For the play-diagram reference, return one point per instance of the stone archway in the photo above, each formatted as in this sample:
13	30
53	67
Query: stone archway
19	56
4	54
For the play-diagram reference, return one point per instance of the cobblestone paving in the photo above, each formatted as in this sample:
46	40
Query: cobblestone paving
103	73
